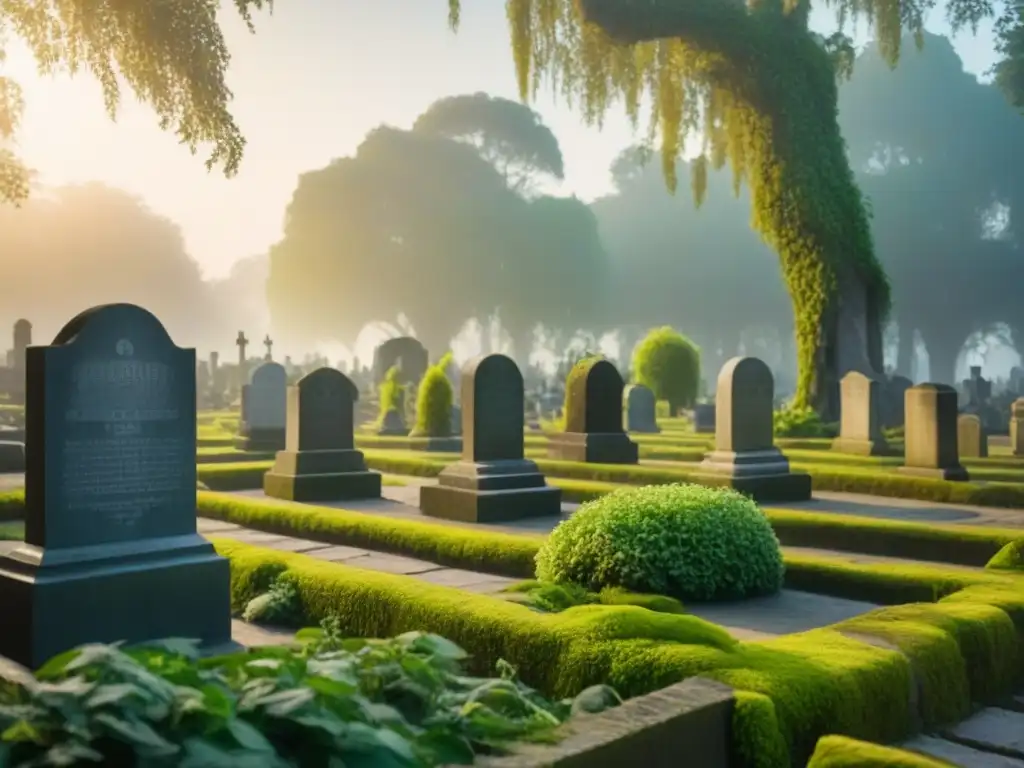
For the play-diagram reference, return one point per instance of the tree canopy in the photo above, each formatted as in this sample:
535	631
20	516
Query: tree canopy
762	89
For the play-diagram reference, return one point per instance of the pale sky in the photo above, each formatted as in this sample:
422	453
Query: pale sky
308	86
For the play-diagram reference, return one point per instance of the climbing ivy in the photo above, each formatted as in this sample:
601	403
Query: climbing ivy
762	90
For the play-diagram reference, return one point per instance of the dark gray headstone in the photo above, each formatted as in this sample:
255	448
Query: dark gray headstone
321	412
641	409
595	403
405	351
111	450
492	410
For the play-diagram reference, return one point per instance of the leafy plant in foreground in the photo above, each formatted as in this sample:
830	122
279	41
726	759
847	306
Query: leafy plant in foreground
332	702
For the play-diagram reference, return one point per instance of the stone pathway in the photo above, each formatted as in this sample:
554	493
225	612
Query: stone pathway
992	738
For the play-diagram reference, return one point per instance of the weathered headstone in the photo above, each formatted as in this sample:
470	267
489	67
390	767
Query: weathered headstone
971	438
493	482
320	461
931	448
593	419
894	395
745	456
860	430
111	550
641	410
411	353
1017	427
704	418
264	409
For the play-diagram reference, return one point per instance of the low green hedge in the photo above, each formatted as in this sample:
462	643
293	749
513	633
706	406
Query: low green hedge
797	688
844	752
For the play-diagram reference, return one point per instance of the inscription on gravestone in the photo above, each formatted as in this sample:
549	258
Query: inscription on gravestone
115	459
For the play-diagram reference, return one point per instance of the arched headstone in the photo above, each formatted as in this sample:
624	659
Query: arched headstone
320	462
930	436
971	438
403	350
111	550
593	419
860	428
641	410
264	409
493	482
745	456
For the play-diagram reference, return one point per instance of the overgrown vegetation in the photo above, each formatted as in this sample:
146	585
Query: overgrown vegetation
554	598
684	541
793	421
434	401
391	394
669	364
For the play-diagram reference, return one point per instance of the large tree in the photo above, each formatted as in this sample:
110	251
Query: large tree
763	88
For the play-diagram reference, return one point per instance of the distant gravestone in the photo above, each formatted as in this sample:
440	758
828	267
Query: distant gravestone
456	427
745	456
893	400
404	351
320	462
111	551
493	482
593	419
264	409
931	448
972	442
641	410
393	424
860	430
1017	427
704	418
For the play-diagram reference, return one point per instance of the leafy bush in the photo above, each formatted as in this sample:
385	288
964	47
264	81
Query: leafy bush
359	703
280	605
391	394
684	541
434	402
669	364
801	422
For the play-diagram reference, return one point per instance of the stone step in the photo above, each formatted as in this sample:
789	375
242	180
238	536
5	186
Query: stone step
959	754
996	730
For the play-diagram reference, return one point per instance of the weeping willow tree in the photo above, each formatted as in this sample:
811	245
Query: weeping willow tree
761	90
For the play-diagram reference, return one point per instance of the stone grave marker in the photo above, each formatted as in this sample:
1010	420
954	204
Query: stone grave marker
264	409
972	441
641	410
111	551
320	461
1017	427
931	442
493	482
894	395
744	455
704	418
405	351
593	419
860	430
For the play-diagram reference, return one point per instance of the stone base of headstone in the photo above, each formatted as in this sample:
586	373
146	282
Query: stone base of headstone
861	447
55	600
490	492
321	476
12	457
956	474
261	440
593	447
763	475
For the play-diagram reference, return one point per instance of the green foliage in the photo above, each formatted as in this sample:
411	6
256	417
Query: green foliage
1009	558
391	393
555	598
669	364
434	401
171	55
844	752
395	703
576	385
683	541
278	606
794	421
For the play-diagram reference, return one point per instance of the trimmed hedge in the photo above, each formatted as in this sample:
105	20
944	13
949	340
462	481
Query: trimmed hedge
797	688
844	752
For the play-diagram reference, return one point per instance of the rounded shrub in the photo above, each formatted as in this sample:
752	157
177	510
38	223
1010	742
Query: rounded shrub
684	541
434	402
669	364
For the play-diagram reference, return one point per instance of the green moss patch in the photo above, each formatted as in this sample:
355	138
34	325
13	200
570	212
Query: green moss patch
844	752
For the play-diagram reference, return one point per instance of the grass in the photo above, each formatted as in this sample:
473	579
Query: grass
794	689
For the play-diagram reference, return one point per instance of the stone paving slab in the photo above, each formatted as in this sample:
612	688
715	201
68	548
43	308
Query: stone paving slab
993	730
468	580
403	566
341	554
252	635
959	754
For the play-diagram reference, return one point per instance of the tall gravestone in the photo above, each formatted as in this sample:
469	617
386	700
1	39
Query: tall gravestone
641	410
593	419
1017	427
971	438
860	428
745	456
931	448
111	550
264	409
320	461
493	482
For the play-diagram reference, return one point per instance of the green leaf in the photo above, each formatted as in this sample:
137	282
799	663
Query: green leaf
116	694
438	646
70	753
217	703
136	733
248	737
59	664
446	748
177	646
22	732
283	703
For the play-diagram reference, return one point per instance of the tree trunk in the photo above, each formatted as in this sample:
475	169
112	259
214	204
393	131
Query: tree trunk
943	354
905	350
